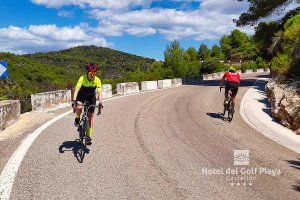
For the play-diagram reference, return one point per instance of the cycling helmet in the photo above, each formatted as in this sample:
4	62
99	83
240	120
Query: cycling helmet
91	68
231	69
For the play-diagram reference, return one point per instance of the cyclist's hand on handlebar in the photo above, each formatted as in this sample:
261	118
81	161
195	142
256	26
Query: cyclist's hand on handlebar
74	102
100	107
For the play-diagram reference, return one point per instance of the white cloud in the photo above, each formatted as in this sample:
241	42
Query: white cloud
141	31
173	24
210	21
105	4
46	37
65	13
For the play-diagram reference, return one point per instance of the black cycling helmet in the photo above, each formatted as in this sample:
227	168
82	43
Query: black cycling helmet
90	67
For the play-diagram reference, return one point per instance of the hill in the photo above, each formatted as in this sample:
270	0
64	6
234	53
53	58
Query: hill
42	72
112	63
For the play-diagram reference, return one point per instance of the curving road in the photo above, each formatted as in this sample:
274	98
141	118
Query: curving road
159	145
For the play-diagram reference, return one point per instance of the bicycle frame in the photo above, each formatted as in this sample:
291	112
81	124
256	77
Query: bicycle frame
229	107
83	127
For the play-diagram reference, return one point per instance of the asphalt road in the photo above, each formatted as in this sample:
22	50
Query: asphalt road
160	145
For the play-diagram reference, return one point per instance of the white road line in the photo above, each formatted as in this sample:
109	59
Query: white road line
10	170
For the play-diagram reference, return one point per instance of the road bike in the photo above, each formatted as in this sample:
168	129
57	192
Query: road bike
229	106
83	127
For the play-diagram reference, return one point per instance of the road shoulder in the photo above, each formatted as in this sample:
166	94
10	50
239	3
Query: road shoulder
255	111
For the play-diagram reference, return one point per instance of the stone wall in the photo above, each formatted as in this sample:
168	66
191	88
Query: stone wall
149	85
285	103
106	91
176	82
9	113
51	99
127	88
166	83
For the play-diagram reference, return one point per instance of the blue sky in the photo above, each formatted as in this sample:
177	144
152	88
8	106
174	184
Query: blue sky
141	27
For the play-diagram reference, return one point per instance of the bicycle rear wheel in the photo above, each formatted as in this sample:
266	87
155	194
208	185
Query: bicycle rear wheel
230	111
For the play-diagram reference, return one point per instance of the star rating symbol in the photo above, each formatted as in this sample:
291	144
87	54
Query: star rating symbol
241	184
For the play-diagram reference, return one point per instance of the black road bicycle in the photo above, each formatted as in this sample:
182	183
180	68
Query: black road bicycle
229	107
83	127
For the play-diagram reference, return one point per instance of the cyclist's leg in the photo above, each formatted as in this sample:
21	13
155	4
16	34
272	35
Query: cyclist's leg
92	99
78	109
234	90
91	124
226	93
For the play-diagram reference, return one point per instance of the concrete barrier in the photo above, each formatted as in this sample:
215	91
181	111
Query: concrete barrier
42	101
127	88
164	83
259	70
239	71
106	91
9	113
149	85
176	82
192	80
249	71
207	76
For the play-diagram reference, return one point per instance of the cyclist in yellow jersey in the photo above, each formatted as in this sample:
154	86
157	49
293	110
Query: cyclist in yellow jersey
87	88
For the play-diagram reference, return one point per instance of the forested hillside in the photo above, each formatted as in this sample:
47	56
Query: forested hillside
42	72
112	63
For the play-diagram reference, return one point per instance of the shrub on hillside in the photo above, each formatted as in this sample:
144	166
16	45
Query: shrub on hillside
248	65
281	64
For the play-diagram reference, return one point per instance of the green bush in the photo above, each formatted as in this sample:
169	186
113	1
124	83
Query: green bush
281	64
248	65
261	63
210	65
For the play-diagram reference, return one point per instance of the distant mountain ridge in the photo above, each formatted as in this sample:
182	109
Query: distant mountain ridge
113	63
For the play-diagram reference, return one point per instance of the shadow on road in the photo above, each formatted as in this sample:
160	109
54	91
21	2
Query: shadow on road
218	116
73	146
215	115
295	164
297	187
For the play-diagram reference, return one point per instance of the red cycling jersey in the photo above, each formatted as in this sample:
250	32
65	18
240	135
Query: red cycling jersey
232	77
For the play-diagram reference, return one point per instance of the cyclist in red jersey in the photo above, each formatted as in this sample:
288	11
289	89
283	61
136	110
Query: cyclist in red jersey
233	82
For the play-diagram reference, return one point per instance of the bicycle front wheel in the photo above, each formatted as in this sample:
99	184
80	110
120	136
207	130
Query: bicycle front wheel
230	112
82	136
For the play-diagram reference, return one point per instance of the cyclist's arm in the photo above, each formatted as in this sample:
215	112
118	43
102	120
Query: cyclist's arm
222	80
77	88
99	91
75	94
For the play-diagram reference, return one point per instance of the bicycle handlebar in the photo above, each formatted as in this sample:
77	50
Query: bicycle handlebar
222	86
99	106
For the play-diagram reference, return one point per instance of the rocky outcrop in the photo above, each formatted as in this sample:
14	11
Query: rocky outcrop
285	103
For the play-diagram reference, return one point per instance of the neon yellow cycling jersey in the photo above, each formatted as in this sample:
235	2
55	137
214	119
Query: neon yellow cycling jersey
88	87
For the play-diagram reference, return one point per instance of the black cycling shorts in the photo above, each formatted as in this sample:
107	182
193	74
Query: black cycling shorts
91	98
233	86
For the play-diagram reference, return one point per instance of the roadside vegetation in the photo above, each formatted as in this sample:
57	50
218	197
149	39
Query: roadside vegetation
275	45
